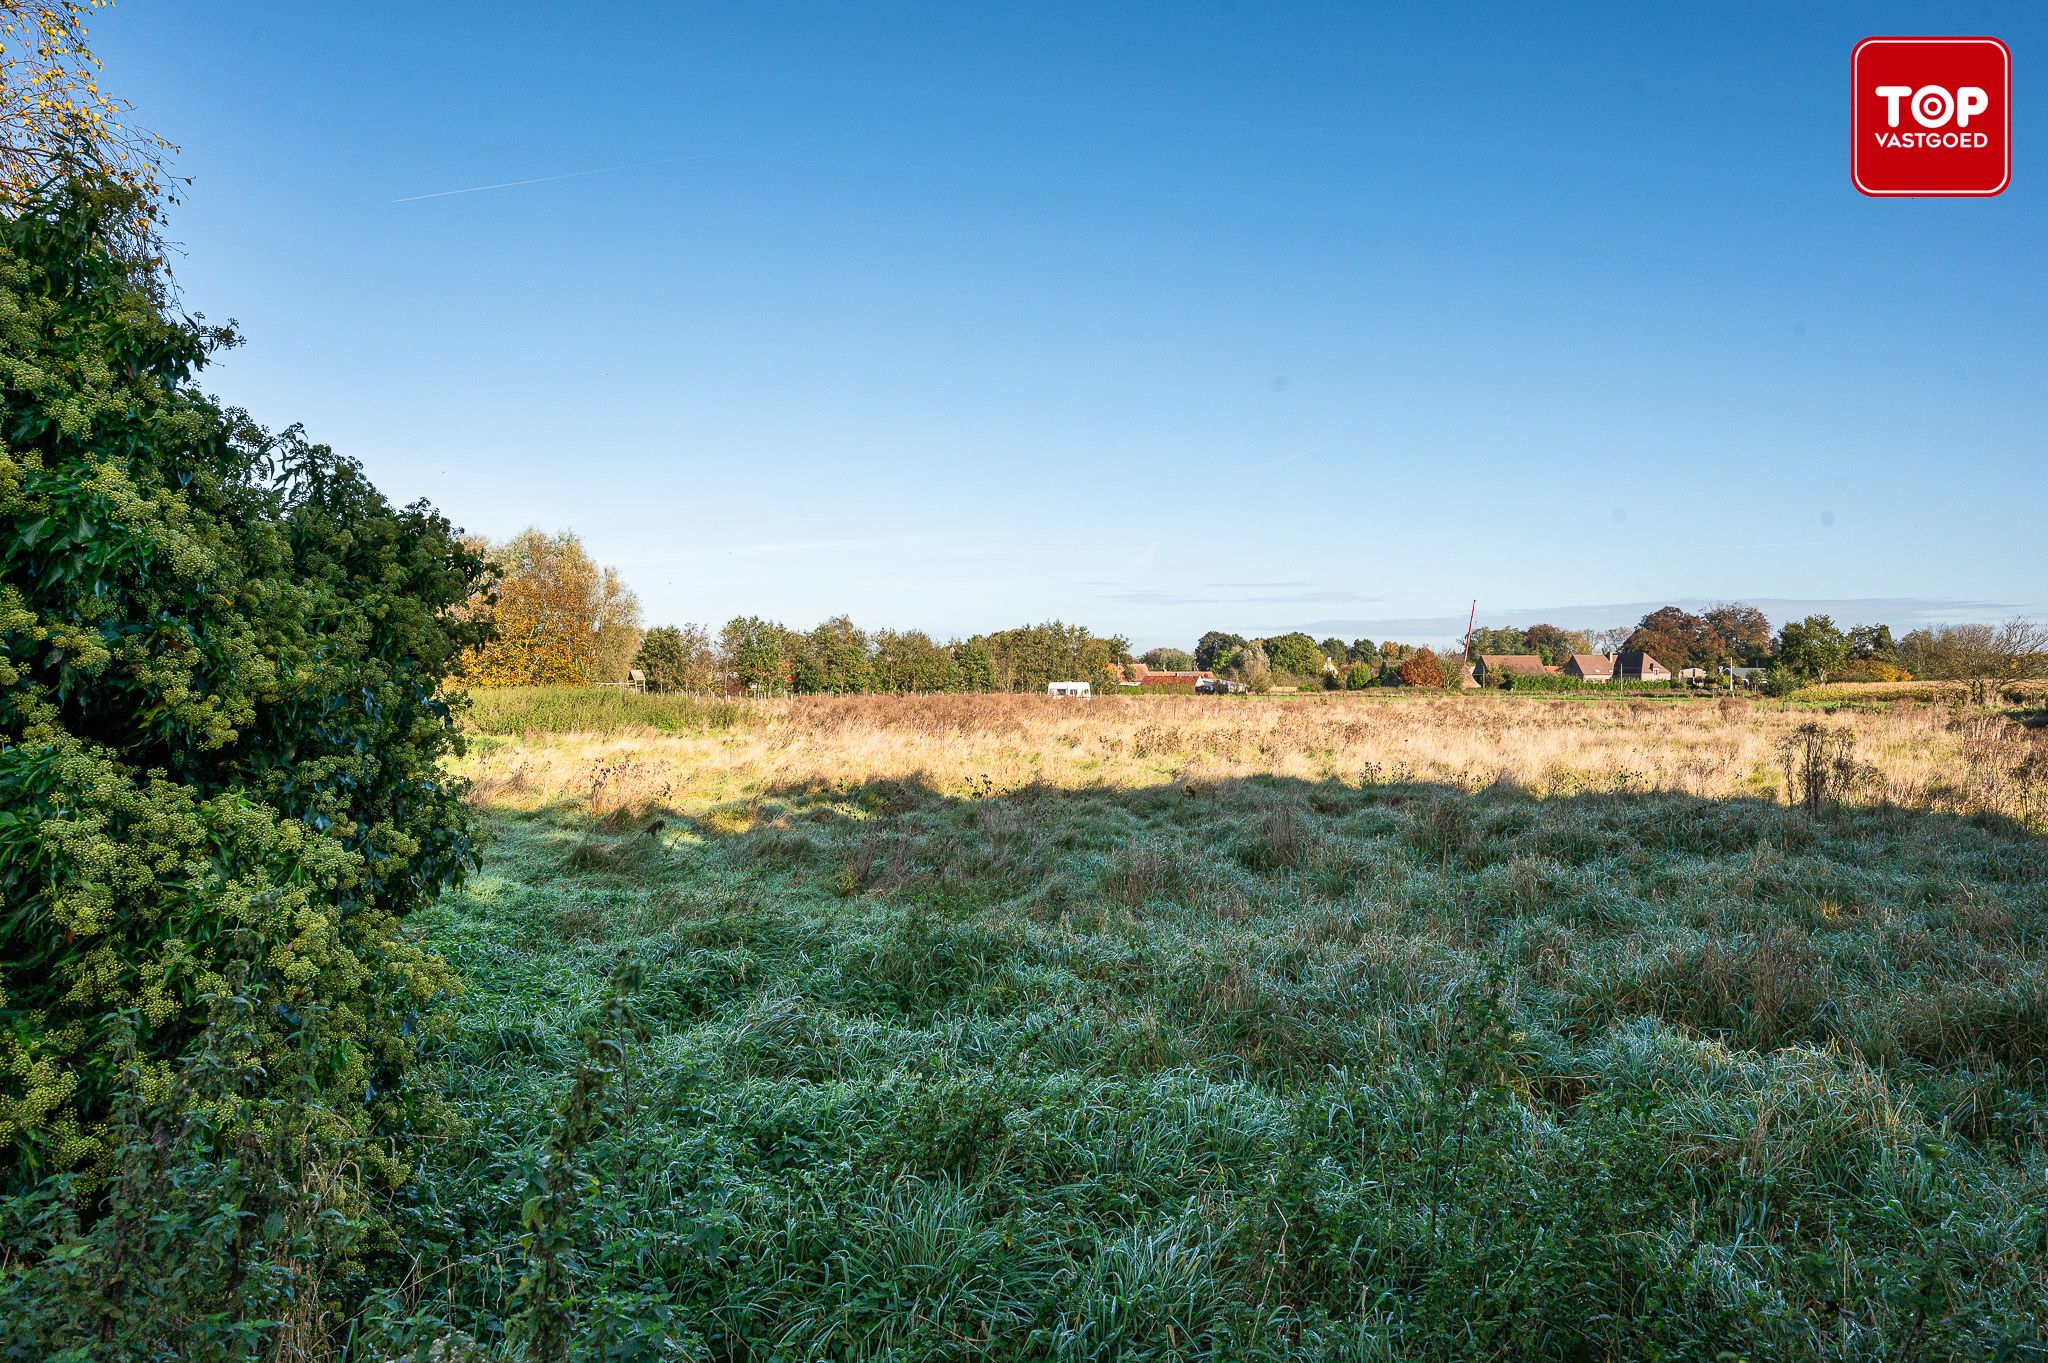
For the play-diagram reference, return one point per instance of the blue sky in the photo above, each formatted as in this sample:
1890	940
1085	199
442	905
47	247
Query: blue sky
1156	318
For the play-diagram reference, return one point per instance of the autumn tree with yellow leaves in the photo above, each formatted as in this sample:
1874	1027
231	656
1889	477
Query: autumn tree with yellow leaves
561	619
57	124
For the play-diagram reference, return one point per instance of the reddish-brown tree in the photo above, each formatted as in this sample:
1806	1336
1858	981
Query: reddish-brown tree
1674	637
1423	669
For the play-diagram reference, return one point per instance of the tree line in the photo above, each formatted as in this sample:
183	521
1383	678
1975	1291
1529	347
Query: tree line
753	656
1815	649
558	617
1733	634
1298	660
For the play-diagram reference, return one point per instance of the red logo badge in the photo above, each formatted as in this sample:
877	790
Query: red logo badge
1931	117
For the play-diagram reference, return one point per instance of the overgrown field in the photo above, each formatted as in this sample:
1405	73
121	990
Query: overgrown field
2014	693
1000	1027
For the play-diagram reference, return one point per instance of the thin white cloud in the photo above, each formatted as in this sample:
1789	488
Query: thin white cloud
1159	599
1310	598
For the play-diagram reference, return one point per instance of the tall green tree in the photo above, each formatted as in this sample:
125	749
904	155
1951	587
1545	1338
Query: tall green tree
1294	655
1873	643
1026	658
1496	639
1809	650
757	655
1213	647
677	658
974	668
837	657
908	662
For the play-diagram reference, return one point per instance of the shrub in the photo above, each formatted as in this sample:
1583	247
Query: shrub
221	729
195	1240
1547	681
1820	765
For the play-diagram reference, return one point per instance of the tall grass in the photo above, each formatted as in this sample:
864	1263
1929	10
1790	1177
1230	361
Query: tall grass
1933	757
521	710
1017	1029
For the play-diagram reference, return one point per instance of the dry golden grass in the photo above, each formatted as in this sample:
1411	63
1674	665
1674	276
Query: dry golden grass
1913	756
1951	692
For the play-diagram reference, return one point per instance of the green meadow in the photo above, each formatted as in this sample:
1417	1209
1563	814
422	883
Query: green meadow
1260	1067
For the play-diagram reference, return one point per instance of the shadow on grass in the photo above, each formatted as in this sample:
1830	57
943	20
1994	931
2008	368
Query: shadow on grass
1905	937
1275	1062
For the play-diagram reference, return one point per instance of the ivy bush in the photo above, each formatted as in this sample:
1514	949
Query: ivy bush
221	733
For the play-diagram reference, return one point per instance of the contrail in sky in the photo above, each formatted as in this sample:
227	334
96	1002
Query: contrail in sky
612	170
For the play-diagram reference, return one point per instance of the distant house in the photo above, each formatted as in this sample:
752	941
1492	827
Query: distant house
1692	674
1590	667
1075	690
1635	665
1491	667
